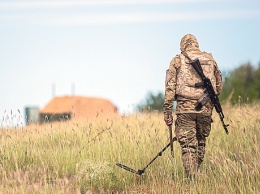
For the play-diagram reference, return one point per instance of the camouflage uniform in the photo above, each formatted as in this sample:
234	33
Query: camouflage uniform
192	126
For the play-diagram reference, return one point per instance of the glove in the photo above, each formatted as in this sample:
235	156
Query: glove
168	118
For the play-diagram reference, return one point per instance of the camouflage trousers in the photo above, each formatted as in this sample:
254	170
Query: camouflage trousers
191	130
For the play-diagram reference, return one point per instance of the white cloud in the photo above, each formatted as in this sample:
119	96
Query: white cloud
151	17
135	17
79	3
57	17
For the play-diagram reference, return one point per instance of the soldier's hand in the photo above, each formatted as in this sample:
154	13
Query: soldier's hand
168	119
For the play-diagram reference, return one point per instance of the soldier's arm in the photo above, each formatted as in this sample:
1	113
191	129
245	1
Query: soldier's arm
170	86
218	76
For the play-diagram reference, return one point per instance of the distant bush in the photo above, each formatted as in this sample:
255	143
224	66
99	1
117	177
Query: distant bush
242	84
152	102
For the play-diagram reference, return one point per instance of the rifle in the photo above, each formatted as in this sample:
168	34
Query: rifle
206	83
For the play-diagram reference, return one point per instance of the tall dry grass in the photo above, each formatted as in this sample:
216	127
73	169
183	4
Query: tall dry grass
80	157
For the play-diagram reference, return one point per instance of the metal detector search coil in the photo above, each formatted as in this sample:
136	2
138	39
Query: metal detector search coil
139	172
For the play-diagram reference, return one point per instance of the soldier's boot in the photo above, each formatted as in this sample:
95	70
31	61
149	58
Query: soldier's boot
201	153
190	165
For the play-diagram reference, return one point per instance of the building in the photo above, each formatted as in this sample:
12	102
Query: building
31	115
77	107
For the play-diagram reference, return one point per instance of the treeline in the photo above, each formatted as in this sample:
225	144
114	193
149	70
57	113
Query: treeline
241	85
152	102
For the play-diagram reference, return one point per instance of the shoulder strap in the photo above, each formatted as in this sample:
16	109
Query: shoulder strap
186	55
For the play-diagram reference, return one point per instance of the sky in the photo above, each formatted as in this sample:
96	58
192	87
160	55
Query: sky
113	49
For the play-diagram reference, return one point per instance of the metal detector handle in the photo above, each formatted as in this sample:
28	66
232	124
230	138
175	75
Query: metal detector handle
171	141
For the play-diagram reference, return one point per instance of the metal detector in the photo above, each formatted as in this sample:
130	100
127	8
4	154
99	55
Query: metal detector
140	172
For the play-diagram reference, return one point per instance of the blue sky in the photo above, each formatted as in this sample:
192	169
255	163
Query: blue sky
113	49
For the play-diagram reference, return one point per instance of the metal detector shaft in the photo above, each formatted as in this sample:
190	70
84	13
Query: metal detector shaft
160	153
171	140
140	172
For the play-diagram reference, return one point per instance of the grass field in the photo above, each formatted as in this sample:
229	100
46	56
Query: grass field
80	157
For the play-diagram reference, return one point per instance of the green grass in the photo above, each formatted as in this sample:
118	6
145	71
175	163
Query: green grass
80	157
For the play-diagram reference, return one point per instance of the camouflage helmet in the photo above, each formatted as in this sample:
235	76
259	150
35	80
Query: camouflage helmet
189	42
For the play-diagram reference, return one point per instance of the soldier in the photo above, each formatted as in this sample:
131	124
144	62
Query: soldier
192	126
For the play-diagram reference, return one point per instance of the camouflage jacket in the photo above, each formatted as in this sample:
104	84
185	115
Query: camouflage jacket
181	78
